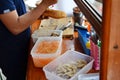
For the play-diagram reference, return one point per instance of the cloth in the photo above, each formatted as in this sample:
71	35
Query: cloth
13	48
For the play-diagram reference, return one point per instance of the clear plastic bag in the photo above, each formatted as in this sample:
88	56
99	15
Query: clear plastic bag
2	76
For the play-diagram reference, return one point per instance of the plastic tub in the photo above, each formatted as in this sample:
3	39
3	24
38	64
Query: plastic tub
46	33
67	57
90	76
40	59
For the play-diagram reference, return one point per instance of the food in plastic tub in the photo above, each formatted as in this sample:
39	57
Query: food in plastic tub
45	50
68	70
68	61
46	47
46	33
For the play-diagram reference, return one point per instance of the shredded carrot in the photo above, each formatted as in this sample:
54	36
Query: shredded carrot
47	47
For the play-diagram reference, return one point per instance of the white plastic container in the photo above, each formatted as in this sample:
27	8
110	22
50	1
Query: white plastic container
45	33
41	59
90	76
68	56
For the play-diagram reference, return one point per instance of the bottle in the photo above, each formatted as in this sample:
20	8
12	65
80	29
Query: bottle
88	44
99	43
99	50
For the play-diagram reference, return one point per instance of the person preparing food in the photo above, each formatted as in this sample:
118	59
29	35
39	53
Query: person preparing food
15	35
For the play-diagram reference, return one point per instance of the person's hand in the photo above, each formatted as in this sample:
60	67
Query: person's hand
49	2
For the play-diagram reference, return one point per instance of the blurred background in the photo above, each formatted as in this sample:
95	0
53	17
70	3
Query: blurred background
63	5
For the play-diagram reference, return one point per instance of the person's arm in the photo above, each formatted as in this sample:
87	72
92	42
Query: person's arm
17	24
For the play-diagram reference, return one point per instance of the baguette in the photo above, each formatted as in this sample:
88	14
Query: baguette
54	13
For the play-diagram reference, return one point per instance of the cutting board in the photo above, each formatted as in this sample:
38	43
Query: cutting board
56	24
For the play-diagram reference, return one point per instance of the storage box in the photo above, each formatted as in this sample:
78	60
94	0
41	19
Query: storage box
90	76
42	58
46	33
68	57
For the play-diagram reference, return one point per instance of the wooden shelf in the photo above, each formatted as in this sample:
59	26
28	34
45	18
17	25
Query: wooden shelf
92	18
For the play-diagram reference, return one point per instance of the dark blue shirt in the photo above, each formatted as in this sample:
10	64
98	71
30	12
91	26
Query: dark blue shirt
13	48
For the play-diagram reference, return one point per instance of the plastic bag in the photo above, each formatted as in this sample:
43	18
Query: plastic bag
2	76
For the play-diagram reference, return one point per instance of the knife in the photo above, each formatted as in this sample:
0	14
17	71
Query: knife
66	26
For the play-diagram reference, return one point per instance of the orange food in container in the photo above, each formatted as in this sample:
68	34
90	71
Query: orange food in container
45	50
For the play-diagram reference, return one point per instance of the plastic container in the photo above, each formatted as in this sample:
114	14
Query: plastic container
90	76
41	59
67	57
46	33
77	15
